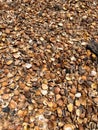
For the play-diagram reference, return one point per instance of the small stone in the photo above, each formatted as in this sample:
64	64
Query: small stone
20	113
22	85
60	124
84	43
32	118
45	81
41	38
12	86
82	101
73	90
6	109
84	78
93	56
92	93
9	62
60	24
25	126
88	53
3	39
70	107
52	59
14	50
7	30
50	104
38	92
6	96
44	92
13	104
16	92
94	85
0	33
73	58
95	117
28	66
78	95
80	121
17	78
44	86
26	88
60	102
4	84
52	76
56	90
93	73
68	78
16	55
58	96
9	75
59	112
78	112
30	41
77	103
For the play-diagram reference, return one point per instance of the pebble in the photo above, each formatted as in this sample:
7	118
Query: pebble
78	95
78	112
60	24
20	113
30	41
60	124
12	104
16	55
44	92
93	73
84	43
59	112
5	96
73	58
94	85
44	86
7	30
9	75
4	84
80	121
28	66
73	90
41	38
6	109
68	78
60	102
95	117
9	62
12	86
0	33
70	107
38	92
50	104
58	96
56	90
